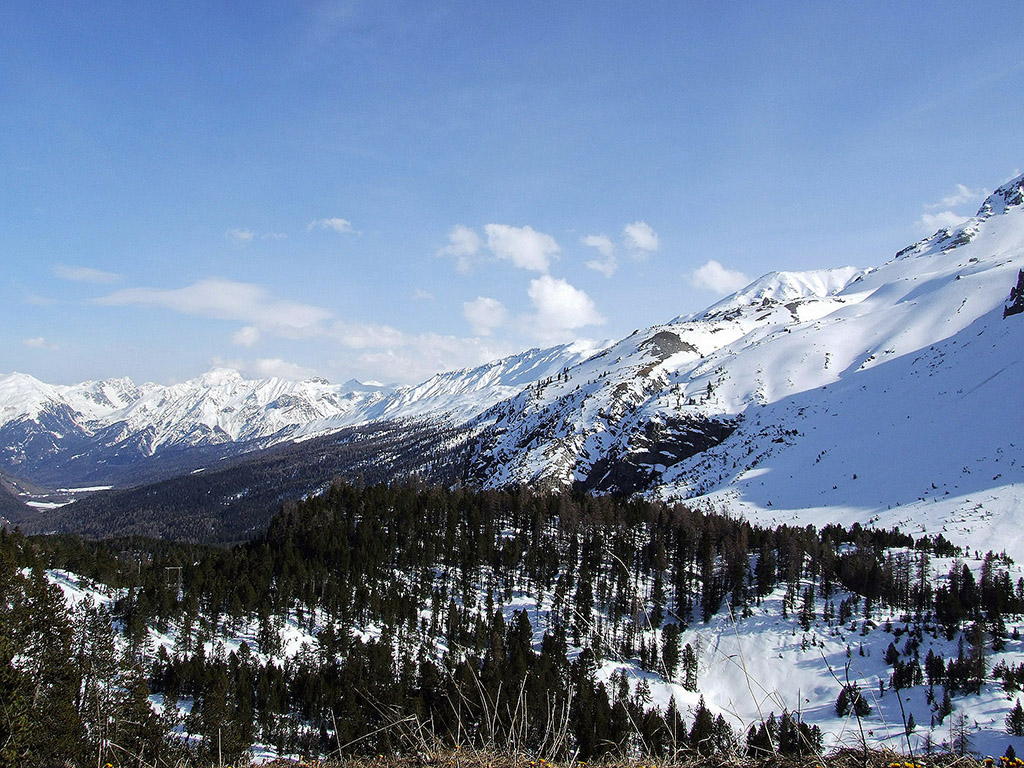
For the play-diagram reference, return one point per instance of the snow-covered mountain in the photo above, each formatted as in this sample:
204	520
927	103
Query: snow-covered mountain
887	395
48	431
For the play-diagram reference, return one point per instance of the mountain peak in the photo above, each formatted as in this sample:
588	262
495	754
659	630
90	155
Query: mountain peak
783	287
1007	196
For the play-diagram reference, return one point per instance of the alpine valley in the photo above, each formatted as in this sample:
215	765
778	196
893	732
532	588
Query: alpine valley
789	524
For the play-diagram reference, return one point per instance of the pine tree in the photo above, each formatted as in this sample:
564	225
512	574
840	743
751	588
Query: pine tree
962	734
1015	720
670	652
17	727
851	699
945	706
689	668
762	739
675	725
911	724
702	734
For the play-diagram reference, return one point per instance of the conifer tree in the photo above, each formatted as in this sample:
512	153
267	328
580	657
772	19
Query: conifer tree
690	664
670	653
702	733
1015	720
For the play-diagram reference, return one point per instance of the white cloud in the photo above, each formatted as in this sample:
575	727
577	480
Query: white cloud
947	218
246	337
246	236
333	223
712	276
933	222
423	355
366	335
561	308
240	236
484	314
607	265
229	300
275	366
603	243
640	238
84	274
38	342
421	295
264	368
961	195
525	247
463	242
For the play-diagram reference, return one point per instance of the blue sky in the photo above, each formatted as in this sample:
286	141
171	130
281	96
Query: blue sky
384	190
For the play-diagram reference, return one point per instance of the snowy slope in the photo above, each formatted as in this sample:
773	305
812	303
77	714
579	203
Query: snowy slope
888	395
749	667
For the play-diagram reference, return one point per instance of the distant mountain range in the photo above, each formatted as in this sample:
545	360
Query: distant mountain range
889	395
106	432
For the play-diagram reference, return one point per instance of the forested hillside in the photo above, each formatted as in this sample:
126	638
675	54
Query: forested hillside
233	499
380	619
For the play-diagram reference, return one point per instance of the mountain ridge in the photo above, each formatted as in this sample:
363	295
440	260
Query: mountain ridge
53	433
884	395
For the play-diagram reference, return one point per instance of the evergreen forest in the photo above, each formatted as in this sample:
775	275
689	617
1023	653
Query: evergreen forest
457	619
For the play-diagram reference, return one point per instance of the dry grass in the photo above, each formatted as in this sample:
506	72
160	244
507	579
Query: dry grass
479	759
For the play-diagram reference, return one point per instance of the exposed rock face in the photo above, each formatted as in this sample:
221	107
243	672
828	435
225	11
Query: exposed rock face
1016	303
657	448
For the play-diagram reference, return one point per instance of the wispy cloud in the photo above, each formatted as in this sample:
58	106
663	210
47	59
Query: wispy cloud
463	243
608	264
38	342
39	301
333	224
367	335
961	195
484	315
422	355
240	236
602	243
934	219
933	222
712	276
265	368
229	300
246	336
84	274
244	237
379	350
641	240
328	19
